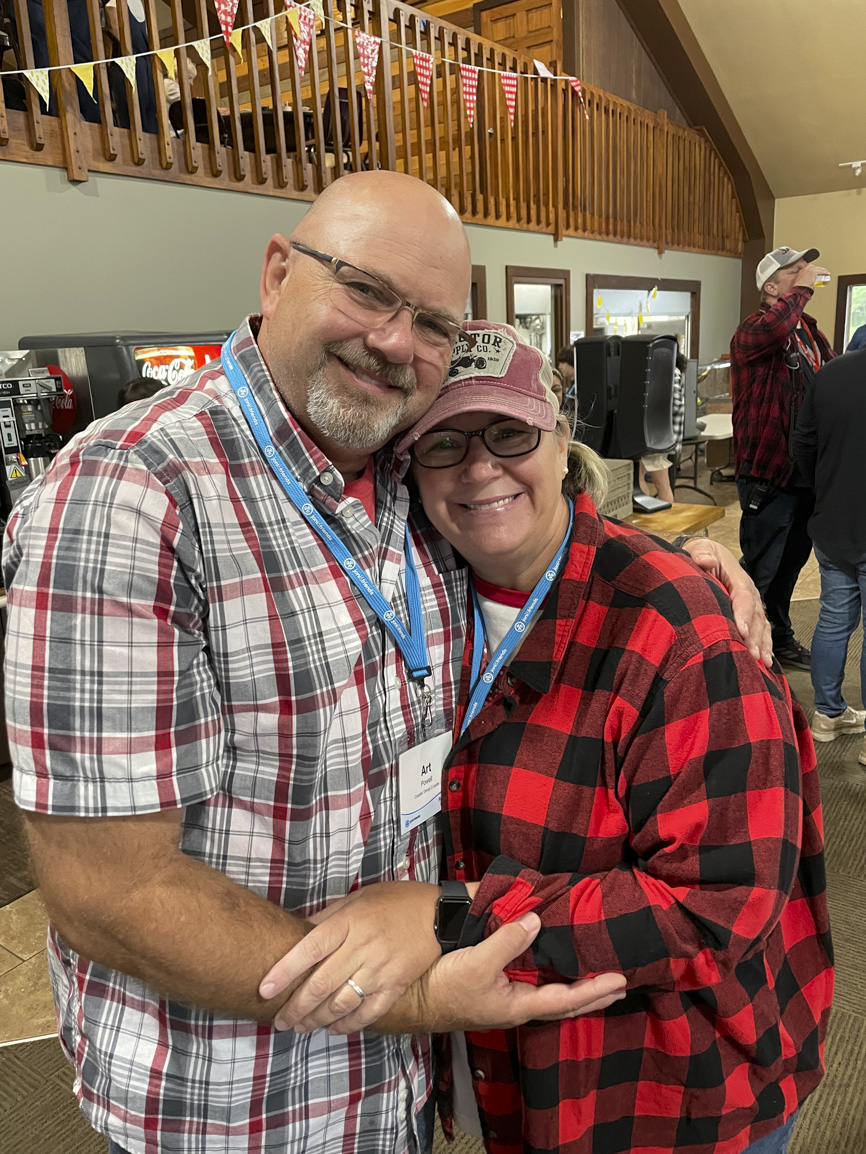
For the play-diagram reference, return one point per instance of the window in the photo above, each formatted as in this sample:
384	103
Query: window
850	308
622	305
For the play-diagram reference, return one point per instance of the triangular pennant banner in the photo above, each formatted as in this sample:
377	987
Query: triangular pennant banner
226	12
469	77
303	22
509	85
264	26
368	49
235	41
423	62
84	72
318	10
202	47
169	61
576	85
38	77
127	67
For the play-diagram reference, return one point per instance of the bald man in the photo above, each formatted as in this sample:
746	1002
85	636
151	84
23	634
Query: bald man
231	671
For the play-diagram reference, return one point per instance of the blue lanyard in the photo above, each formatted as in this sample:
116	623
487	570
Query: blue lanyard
411	642
481	685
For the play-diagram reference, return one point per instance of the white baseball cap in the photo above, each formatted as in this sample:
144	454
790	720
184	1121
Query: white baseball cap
780	258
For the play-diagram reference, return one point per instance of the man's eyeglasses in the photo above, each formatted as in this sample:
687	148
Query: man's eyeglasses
364	298
443	448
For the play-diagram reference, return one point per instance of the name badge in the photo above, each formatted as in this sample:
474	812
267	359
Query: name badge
421	781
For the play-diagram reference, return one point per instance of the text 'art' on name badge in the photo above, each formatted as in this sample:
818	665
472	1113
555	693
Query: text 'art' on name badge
421	781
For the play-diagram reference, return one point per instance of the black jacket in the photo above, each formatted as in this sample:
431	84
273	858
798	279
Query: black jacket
829	445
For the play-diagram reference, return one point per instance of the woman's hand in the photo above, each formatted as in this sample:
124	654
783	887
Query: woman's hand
381	937
749	616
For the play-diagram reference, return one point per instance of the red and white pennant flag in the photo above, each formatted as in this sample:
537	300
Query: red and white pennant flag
469	77
368	49
575	84
304	36
509	85
423	62
226	11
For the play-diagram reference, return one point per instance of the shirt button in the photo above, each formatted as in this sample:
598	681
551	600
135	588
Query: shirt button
404	864
459	864
511	679
479	1074
327	478
347	512
454	786
397	683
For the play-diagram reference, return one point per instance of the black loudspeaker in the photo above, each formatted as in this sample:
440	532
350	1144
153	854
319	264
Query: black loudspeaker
644	411
596	371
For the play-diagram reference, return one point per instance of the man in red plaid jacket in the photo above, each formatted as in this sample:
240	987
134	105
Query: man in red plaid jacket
774	354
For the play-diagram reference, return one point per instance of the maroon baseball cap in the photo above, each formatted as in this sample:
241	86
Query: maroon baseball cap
499	374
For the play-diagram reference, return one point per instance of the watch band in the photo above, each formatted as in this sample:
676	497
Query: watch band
678	542
452	909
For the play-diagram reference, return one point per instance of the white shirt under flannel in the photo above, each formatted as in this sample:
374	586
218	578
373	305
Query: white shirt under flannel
179	637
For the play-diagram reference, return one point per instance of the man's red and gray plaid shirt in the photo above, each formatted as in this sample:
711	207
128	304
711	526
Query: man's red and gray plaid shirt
638	780
179	637
761	386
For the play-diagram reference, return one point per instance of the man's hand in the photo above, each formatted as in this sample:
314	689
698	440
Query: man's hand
807	276
749	616
381	937
467	990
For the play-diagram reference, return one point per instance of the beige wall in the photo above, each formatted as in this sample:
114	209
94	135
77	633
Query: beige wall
835	224
119	254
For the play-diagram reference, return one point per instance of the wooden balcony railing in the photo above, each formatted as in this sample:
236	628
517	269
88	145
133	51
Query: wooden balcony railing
587	165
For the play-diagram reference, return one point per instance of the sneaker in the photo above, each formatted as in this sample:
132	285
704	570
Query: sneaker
829	728
795	655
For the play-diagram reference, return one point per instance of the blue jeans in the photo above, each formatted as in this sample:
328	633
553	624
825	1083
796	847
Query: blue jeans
775	1143
843	599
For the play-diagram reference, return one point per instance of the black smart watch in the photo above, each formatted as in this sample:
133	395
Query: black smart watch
451	911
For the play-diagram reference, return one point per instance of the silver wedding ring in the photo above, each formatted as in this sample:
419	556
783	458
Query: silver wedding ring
356	988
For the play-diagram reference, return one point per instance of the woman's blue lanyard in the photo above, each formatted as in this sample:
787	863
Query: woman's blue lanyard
411	642
481	685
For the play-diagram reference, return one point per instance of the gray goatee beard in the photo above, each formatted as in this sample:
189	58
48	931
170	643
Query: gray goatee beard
358	420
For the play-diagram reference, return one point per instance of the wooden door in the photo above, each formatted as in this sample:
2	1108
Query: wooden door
533	27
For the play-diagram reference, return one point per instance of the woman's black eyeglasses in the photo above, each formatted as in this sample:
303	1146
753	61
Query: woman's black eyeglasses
443	448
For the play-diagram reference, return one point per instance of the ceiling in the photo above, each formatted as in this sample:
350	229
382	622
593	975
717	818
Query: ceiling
793	73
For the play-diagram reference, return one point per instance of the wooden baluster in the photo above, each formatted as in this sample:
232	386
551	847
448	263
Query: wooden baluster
384	99
192	152
403	88
485	122
34	110
334	98
214	146
557	169
136	136
519	147
355	118
163	127
464	137
550	193
321	169
65	88
500	125
260	159
420	111
529	128
374	143
239	156
296	88
439	77
103	90
450	99
280	162
506	148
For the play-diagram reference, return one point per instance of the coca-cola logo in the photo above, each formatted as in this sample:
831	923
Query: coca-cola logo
65	407
171	373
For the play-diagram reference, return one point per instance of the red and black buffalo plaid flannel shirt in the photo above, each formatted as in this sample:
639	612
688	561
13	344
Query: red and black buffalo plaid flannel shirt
639	781
761	385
